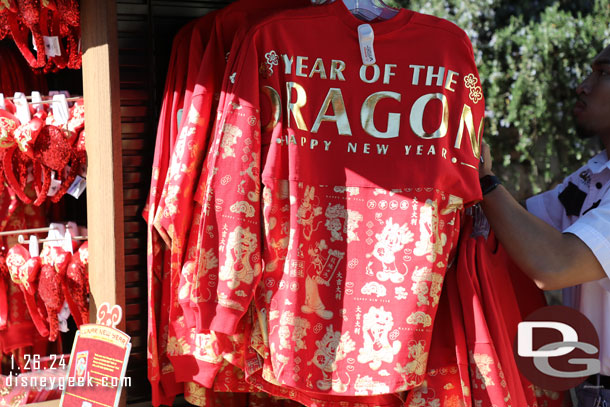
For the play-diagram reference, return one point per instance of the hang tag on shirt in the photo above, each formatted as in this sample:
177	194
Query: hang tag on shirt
78	187
365	38
51	46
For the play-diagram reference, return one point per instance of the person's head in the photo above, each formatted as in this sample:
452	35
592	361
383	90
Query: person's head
592	110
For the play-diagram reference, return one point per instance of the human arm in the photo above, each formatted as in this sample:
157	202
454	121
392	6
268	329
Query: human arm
552	259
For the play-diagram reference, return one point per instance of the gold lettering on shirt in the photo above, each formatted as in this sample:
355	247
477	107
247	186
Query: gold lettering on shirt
287	64
300	66
466	118
387	72
363	76
295	108
439	76
416	69
336	69
450	80
335	97
276	107
318	68
367	114
417	116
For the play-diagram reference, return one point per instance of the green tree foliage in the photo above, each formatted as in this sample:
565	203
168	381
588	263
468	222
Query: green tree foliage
531	56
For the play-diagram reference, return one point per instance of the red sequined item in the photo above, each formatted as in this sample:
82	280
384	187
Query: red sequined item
52	149
22	153
8	17
24	270
16	180
49	25
76	286
69	26
9	126
54	152
43	149
29	13
9	5
55	261
77	165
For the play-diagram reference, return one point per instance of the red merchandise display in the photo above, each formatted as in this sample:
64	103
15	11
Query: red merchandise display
43	158
55	29
307	226
341	237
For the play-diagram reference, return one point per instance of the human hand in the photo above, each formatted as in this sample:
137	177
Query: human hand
485	166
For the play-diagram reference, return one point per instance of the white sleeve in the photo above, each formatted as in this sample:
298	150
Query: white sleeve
547	207
593	228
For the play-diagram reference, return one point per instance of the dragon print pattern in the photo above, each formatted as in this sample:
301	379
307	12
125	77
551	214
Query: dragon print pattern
337	301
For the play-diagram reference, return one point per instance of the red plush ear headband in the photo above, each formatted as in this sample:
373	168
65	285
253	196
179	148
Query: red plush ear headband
45	148
8	124
55	261
8	5
29	13
24	270
76	288
8	8
54	18
70	29
24	138
50	151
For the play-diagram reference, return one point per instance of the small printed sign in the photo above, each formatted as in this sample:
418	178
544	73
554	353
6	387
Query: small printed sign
98	362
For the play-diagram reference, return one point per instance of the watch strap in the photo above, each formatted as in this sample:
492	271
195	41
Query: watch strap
489	183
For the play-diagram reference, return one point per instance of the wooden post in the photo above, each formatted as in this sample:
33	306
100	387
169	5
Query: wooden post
104	154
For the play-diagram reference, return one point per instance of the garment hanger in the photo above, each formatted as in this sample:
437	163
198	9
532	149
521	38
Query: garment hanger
370	10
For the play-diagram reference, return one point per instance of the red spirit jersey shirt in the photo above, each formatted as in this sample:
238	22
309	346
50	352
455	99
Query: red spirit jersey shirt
360	174
155	243
197	354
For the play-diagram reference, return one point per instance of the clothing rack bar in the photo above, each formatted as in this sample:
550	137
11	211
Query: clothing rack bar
70	99
21	239
24	231
50	101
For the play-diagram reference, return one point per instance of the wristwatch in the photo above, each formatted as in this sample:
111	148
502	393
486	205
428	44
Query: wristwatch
489	183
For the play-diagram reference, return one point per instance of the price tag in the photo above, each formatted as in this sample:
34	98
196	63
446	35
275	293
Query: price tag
78	187
51	46
55	185
365	39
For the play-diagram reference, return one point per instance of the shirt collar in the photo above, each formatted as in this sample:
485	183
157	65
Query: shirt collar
598	163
